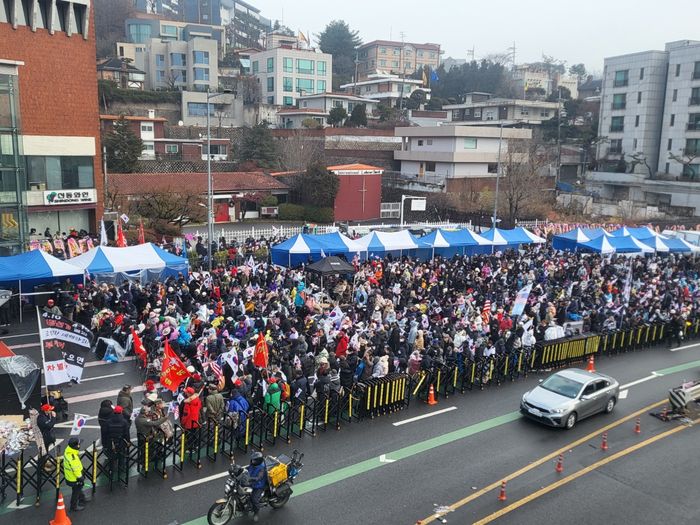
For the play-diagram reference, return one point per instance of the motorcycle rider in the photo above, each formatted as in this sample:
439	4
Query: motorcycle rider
257	473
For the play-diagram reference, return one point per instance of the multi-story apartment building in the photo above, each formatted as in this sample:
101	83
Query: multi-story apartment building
484	108
445	155
387	89
631	108
398	58
286	73
247	28
680	130
193	11
50	162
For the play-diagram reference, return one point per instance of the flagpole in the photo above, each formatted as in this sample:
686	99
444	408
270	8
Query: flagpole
43	356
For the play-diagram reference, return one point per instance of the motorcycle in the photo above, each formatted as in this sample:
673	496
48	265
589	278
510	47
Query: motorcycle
282	472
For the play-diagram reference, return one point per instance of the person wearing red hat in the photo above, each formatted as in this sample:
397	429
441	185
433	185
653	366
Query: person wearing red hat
191	408
46	421
118	437
51	308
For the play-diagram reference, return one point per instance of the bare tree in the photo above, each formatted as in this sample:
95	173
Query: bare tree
522	186
168	207
685	158
248	89
300	150
638	158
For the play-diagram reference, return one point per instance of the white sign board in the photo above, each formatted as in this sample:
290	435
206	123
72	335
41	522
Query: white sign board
58	197
417	204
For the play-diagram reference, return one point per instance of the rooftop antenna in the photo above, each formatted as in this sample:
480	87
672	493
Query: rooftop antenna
470	53
512	50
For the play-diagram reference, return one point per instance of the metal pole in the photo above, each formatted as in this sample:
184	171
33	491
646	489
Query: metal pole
558	138
403	198
209	195
498	174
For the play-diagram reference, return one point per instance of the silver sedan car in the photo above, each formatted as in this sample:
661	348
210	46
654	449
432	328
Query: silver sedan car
569	396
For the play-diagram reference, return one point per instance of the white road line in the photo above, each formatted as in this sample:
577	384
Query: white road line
384	459
101	377
638	381
684	347
199	481
26	345
101	395
623	394
99	363
417	418
18	335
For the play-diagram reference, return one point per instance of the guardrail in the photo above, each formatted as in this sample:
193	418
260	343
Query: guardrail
22	476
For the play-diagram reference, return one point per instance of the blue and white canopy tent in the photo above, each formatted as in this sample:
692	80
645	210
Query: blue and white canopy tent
449	243
600	244
606	245
380	244
496	237
676	245
642	233
523	236
569	240
623	231
297	250
336	243
658	243
33	268
592	233
143	261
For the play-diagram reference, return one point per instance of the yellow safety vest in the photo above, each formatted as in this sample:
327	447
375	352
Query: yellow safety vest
72	466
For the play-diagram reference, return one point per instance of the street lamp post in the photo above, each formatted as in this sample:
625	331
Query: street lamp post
210	196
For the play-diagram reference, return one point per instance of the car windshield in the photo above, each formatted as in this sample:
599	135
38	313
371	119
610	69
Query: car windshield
562	385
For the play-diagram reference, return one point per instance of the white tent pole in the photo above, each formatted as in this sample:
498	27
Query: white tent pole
20	301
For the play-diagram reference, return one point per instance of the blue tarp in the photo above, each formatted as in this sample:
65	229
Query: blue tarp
336	243
107	262
297	250
449	243
569	240
35	265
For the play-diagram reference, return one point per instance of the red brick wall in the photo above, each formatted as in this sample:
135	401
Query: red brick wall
348	202
57	85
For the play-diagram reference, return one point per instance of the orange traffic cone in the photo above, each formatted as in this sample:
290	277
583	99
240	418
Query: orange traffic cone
591	365
560	464
638	427
431	396
604	444
61	518
502	494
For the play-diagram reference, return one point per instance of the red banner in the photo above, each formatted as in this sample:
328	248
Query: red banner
139	349
173	372
260	356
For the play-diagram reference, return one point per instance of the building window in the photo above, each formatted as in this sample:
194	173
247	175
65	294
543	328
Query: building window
469	143
430	142
271	65
178	59
215	149
168	31
139	33
160	60
492	167
695	96
288	84
477	112
179	76
420	53
619	101
61	173
617	124
288	65
171	148
305	67
694	122
678	70
634	145
696	70
199	109
639	97
271	100
394	63
430	166
407	65
320	86
270	84
397	51
673	119
691	170
621	78
288	101
321	67
433	54
255	67
524	111
200	57
147	146
420	142
305	86
615	147
636	121
382	50
160	75
667	167
146	128
382	63
675	95
669	145
641	74
692	146
201	73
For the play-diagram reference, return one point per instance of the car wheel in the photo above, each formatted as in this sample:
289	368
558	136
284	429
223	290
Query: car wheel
611	404
570	421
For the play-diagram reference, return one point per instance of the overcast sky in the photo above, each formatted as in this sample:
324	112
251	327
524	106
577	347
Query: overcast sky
582	31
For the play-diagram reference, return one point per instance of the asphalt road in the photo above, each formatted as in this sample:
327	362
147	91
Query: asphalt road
376	472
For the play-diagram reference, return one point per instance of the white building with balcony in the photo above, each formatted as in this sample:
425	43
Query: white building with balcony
485	109
386	89
442	154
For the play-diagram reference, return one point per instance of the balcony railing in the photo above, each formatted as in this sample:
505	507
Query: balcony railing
622	105
694	101
617	129
621	83
694	126
696	75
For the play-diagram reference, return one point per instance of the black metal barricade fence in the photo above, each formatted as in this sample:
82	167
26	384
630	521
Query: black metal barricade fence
26	475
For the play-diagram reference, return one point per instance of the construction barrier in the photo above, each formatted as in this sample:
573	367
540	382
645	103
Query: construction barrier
27	475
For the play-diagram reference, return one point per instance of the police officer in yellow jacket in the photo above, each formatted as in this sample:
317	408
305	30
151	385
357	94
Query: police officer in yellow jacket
73	472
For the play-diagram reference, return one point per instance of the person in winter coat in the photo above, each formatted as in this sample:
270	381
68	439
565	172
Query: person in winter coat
192	406
414	363
73	474
347	371
117	437
105	412
145	426
299	388
273	399
342	347
214	404
238	406
125	401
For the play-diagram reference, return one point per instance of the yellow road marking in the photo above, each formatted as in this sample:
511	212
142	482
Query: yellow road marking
578	474
538	462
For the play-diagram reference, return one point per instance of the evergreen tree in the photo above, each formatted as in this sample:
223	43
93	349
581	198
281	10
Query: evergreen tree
339	40
318	186
123	147
358	117
258	146
337	116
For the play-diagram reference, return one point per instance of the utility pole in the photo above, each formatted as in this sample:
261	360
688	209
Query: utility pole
403	71
558	139
357	62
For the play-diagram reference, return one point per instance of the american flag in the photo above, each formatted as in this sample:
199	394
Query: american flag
216	369
486	311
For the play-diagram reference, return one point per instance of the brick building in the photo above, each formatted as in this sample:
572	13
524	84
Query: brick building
359	195
50	160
